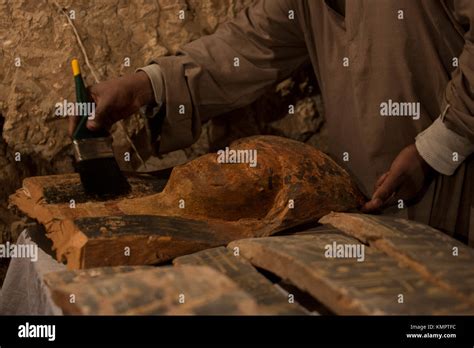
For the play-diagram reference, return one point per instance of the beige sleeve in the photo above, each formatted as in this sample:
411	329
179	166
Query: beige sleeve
443	149
460	90
156	78
450	139
228	69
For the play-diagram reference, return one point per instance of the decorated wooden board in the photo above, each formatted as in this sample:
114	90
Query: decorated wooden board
350	277
137	240
433	254
270	299
165	290
346	275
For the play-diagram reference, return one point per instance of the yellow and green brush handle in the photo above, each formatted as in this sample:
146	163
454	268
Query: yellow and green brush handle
83	96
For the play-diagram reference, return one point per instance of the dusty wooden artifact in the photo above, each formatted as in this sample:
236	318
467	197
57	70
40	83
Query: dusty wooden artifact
88	299
268	297
205	203
347	269
158	290
350	277
433	254
291	183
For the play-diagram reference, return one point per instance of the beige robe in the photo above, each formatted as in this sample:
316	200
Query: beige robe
399	50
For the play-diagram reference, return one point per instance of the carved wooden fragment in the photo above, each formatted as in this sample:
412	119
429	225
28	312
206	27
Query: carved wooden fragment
260	200
137	240
268	297
230	200
433	254
376	285
166	290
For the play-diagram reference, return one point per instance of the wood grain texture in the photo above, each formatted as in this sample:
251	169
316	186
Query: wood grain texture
345	285
256	199
436	256
156	291
47	199
235	200
96	233
147	239
271	300
60	189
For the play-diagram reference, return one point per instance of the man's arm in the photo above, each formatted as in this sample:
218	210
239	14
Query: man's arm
448	141
207	77
226	70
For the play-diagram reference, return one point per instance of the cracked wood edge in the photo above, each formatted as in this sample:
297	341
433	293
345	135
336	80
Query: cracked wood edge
417	246
269	298
156	291
345	285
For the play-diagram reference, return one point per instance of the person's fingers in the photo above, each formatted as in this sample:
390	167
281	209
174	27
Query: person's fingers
384	194
97	120
93	125
380	180
390	185
375	204
372	205
392	200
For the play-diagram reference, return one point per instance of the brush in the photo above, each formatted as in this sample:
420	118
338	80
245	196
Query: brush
95	162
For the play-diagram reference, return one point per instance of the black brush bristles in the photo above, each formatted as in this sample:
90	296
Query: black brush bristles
102	176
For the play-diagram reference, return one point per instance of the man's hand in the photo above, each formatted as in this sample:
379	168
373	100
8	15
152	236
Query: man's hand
117	99
405	180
